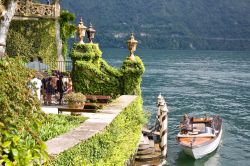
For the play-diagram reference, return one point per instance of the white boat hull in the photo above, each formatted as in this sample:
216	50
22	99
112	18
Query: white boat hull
199	152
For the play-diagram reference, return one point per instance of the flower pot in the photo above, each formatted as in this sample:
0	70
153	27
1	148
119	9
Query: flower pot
76	105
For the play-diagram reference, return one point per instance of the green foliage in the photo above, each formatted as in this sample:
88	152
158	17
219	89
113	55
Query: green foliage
20	117
171	24
57	124
87	52
67	29
132	71
93	75
33	38
75	97
111	147
98	77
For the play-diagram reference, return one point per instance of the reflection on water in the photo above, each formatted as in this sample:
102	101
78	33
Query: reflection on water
210	160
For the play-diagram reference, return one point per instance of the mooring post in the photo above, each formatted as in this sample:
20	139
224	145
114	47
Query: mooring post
164	127
159	99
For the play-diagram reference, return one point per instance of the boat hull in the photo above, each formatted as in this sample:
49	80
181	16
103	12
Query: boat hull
201	151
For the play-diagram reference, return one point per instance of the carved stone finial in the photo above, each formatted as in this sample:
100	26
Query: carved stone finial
81	31
91	33
132	43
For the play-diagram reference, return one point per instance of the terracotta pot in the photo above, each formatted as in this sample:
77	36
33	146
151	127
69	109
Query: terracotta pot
76	105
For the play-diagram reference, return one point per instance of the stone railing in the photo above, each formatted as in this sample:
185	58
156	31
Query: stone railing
26	8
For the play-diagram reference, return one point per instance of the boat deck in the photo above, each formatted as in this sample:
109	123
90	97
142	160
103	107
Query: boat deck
194	141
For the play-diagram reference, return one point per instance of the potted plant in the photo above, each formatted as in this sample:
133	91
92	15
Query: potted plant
75	100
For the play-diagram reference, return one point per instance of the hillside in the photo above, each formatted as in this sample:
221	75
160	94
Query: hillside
171	24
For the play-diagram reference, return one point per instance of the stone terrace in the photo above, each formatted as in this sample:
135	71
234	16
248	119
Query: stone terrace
95	124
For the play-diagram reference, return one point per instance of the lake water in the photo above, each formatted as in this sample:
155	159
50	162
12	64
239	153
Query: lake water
199	82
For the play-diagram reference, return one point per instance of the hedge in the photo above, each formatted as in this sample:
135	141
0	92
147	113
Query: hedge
114	146
93	75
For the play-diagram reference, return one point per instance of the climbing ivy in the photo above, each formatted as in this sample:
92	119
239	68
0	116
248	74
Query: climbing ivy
67	29
132	71
93	75
33	38
86	52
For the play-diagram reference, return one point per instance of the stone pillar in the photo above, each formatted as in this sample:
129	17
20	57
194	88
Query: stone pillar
58	42
60	57
57	8
132	69
132	76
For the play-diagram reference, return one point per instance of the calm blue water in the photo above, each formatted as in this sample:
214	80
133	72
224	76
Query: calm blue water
199	82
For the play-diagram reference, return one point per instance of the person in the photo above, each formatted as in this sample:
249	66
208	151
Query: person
44	87
36	83
60	88
49	91
69	86
185	124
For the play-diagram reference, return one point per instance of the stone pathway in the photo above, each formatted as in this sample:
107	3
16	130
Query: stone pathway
95	124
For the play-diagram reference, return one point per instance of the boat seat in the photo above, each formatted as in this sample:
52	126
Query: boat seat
193	133
199	127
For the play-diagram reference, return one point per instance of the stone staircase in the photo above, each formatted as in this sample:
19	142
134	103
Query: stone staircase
148	153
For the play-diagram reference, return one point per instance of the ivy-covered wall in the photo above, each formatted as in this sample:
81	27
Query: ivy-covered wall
92	75
114	146
33	38
132	72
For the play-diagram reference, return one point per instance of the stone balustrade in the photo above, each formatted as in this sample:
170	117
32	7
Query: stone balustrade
26	8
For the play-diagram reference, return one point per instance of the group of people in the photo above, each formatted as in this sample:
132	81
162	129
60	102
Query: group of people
52	87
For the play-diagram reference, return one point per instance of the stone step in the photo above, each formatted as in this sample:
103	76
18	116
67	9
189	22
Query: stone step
144	140
148	157
149	150
157	148
151	143
147	163
146	151
143	147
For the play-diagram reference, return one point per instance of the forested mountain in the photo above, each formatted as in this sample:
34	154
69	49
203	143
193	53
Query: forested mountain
171	24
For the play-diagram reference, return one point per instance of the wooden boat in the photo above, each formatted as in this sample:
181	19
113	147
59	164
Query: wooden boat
199	136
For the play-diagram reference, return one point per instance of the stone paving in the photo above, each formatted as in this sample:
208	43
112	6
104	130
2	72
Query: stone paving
95	124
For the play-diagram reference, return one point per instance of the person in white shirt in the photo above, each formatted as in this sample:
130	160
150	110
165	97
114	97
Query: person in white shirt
37	83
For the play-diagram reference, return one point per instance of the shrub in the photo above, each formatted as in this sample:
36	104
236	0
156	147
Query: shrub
114	146
75	97
20	117
93	75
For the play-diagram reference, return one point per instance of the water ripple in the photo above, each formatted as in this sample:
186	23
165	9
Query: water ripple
199	82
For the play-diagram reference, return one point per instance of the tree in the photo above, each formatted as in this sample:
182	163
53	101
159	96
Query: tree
8	11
